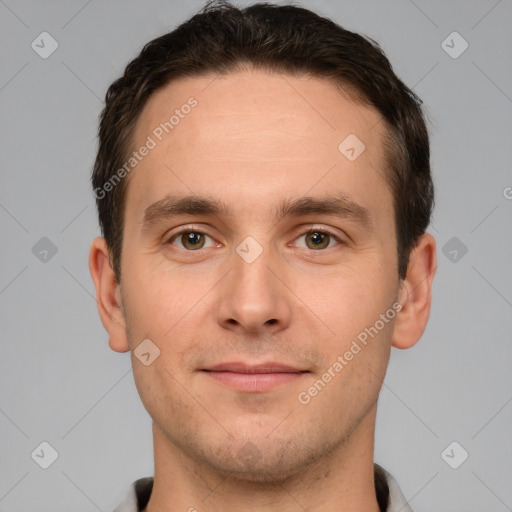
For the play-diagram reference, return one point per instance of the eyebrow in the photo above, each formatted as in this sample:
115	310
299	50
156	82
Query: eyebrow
339	205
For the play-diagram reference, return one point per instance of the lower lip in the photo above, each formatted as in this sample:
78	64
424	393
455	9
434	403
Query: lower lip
254	382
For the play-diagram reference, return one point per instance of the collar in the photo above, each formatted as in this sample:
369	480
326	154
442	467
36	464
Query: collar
387	488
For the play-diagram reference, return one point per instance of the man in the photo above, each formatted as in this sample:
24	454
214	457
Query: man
264	189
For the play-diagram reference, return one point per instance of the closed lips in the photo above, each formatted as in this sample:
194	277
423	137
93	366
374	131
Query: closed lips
262	368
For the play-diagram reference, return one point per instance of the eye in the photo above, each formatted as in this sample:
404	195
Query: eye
193	240
190	240
316	239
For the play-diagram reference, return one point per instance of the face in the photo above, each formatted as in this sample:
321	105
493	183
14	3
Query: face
259	250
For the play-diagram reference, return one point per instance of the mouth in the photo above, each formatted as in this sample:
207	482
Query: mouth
258	378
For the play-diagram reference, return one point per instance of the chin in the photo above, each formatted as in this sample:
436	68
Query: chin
266	462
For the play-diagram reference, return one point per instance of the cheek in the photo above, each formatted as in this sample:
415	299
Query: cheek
158	300
356	355
349	299
169	308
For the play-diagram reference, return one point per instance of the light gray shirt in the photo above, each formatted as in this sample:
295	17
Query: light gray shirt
140	491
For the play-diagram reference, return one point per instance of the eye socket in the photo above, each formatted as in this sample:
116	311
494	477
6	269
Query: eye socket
194	240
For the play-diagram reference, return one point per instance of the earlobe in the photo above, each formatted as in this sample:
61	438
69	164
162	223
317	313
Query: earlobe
415	294
108	295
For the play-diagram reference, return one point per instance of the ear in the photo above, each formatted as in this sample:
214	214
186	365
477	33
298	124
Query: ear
108	295
416	293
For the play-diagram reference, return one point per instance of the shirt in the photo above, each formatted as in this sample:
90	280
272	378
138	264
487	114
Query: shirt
389	495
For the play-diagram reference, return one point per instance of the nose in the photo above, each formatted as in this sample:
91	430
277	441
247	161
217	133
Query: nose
252	299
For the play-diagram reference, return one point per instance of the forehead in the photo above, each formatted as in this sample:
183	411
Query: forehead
258	134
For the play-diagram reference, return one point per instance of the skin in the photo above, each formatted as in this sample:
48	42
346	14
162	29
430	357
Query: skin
254	140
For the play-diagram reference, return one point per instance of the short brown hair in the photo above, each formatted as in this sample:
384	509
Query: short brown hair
280	38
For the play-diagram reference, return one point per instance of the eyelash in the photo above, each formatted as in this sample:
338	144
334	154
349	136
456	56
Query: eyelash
191	229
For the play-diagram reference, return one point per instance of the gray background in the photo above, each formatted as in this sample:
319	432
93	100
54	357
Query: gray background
60	382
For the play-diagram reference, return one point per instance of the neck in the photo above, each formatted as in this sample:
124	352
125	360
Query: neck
342	480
